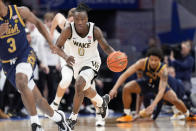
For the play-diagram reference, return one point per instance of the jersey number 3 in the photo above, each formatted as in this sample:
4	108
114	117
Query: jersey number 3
12	43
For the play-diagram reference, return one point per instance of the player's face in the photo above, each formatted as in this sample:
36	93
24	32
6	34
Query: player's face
154	61
80	20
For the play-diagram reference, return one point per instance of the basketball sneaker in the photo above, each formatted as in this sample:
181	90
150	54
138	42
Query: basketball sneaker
99	120
191	117
178	116
71	123
125	118
104	109
62	125
36	127
54	105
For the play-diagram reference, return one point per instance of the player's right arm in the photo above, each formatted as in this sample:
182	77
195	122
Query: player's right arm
59	20
65	34
139	65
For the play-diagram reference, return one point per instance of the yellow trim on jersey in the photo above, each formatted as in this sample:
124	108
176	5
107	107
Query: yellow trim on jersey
1	18
163	67
158	67
4	36
145	63
5	61
11	12
18	14
8	61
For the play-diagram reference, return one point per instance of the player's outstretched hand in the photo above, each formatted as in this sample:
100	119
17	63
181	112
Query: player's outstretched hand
70	60
150	109
3	28
113	93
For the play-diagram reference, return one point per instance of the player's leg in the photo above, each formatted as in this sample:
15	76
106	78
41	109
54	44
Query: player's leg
41	102
23	75
128	89
101	102
77	101
99	120
171	97
30	95
67	75
82	84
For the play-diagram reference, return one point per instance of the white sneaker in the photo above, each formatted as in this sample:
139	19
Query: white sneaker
99	120
54	106
178	116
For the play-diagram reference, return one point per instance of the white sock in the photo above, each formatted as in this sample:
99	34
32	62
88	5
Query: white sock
73	116
98	100
187	113
127	111
57	99
56	117
35	119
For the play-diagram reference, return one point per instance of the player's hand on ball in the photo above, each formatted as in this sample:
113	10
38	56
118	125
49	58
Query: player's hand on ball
113	93
70	60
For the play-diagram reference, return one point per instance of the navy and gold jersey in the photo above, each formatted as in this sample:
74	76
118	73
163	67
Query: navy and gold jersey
150	80
152	76
14	41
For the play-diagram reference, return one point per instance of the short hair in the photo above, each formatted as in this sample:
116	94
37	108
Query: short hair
49	16
71	12
82	7
155	51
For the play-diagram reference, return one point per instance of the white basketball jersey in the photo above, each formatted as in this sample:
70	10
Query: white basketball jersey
83	48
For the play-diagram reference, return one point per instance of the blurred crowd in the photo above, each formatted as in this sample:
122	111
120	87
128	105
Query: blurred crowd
180	59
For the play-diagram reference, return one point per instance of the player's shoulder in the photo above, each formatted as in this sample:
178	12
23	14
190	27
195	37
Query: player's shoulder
22	9
97	32
142	60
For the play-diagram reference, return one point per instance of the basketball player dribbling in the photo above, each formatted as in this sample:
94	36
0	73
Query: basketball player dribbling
18	61
82	38
66	70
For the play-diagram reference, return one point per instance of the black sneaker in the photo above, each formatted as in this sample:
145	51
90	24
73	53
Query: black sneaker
36	127
104	108
62	125
71	123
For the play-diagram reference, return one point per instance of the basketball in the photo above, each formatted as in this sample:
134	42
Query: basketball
117	61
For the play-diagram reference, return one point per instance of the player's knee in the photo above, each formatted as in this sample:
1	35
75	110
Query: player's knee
80	84
21	82
126	89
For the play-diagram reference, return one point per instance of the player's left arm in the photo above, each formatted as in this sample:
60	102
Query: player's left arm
102	41
162	87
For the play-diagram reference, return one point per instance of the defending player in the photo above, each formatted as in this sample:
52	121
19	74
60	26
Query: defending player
154	81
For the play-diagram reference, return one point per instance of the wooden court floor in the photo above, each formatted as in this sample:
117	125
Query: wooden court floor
88	124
